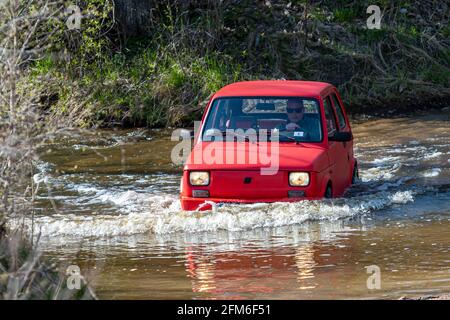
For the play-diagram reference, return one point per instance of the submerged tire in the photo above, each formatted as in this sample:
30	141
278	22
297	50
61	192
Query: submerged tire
328	192
355	175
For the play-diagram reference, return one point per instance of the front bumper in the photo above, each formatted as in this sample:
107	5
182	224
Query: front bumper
201	204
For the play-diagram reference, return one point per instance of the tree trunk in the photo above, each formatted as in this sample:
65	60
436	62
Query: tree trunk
134	17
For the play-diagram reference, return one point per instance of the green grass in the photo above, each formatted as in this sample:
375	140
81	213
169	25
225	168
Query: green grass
43	66
446	31
147	88
370	36
345	15
437	75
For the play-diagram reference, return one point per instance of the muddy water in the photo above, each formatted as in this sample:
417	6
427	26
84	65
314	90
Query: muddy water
114	212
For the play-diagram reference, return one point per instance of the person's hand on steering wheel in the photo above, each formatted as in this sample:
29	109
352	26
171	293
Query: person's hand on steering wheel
292	126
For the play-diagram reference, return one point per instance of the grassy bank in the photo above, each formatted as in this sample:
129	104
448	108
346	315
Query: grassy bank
162	76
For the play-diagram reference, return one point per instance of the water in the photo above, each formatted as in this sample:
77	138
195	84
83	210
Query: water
114	211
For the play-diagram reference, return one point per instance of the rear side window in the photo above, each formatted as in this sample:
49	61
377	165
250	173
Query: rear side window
339	112
329	116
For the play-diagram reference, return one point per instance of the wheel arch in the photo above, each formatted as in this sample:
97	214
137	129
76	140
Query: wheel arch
326	180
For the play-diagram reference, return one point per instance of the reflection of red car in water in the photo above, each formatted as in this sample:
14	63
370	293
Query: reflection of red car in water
235	274
238	273
268	141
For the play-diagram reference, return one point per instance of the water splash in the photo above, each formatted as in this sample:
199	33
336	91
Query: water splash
162	215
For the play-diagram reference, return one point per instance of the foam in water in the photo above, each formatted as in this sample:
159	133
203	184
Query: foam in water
385	160
162	215
433	155
379	173
432	173
137	205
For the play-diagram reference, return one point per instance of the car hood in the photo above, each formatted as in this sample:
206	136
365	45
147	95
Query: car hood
254	156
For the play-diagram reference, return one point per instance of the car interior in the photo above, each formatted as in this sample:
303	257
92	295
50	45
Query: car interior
263	120
234	114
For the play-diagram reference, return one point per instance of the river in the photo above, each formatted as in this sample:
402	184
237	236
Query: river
108	202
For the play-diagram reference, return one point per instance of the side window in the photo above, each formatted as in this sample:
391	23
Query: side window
339	112
329	116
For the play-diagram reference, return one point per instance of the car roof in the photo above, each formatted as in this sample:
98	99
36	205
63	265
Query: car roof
274	88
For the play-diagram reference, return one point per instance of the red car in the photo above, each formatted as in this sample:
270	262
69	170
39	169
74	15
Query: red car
270	141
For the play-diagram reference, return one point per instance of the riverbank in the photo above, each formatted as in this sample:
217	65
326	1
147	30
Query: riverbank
433	297
160	71
398	109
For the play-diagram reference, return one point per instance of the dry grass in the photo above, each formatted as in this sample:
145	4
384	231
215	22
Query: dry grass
25	275
24	128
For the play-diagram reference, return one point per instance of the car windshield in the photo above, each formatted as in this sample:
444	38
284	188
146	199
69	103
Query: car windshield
294	119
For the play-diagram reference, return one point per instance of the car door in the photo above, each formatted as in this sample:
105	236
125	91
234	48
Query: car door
337	153
345	127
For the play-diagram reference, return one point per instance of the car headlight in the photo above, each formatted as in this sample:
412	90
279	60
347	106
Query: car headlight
199	178
298	179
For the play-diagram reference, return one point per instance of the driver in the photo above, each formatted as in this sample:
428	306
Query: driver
307	128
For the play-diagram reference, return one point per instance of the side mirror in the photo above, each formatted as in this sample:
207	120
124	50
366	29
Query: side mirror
341	137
